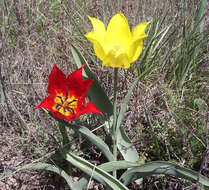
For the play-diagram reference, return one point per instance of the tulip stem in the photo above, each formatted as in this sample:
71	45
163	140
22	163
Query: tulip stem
63	131
65	142
115	118
118	5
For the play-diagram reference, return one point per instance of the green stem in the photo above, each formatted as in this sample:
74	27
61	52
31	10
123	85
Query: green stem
63	131
65	142
115	118
118	5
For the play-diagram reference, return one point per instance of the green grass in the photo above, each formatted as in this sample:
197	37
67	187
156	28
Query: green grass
36	35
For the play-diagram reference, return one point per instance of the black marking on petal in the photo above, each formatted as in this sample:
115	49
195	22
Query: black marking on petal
72	101
58	106
67	94
70	110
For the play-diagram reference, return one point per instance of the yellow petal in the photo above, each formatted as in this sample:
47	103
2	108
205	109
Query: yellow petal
138	31
123	61
99	31
136	47
135	50
91	37
118	32
120	61
97	37
99	51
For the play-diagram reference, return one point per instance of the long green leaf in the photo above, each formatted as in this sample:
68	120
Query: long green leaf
126	147
98	142
95	92
42	166
108	167
161	167
94	171
95	140
124	144
117	165
83	181
128	95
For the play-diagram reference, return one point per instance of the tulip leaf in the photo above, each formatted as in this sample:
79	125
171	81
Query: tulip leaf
108	167
124	144
127	149
127	97
95	92
42	166
94	171
117	165
95	140
98	142
83	181
162	167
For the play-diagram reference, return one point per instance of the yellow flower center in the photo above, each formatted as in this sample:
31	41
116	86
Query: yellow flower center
116	50
116	47
65	104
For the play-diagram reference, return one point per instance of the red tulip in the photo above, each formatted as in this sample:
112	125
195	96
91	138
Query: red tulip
67	95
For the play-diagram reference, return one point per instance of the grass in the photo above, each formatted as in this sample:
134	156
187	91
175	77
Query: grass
37	35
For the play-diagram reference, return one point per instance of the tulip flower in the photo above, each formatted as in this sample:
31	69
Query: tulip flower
117	46
67	95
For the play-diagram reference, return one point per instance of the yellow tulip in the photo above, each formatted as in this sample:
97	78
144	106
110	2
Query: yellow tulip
117	46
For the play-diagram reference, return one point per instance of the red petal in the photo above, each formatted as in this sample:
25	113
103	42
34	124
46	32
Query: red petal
79	89
57	81
91	108
76	84
85	86
47	103
88	108
76	75
70	117
57	114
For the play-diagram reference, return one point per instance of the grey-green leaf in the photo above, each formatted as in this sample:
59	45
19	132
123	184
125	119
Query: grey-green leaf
98	142
94	171
127	149
161	167
128	95
117	165
108	167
